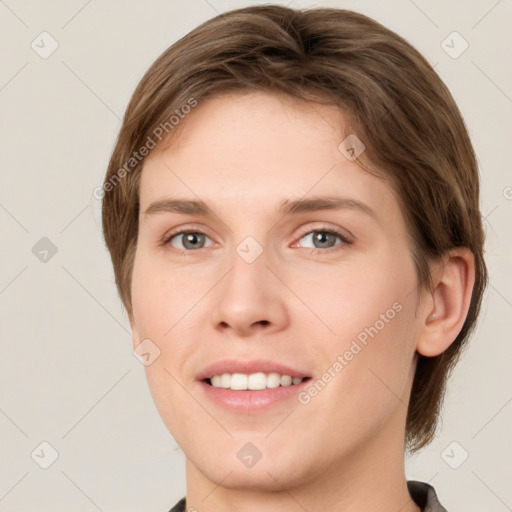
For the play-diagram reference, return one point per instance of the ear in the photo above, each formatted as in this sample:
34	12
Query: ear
445	311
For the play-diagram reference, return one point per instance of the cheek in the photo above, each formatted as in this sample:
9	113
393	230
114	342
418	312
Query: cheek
372	385
166	306
354	294
378	376
162	296
371	312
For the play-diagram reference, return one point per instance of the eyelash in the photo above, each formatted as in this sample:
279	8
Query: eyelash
345	241
323	229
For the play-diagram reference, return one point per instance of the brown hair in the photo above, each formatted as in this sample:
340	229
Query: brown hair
396	103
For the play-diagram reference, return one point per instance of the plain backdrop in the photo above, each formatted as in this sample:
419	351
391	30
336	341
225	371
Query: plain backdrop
68	377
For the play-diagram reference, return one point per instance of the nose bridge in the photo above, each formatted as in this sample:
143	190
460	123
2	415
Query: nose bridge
249	294
248	276
250	250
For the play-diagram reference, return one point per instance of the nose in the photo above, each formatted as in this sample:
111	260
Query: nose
250	299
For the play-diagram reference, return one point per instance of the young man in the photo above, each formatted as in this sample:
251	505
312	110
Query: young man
292	211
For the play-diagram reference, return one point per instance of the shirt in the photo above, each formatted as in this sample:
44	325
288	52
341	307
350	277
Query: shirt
423	494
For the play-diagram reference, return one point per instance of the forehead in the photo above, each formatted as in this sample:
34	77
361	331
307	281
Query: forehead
259	149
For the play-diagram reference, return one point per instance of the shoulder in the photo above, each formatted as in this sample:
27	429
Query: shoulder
424	495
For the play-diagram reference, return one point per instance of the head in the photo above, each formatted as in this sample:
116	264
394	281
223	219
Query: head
247	113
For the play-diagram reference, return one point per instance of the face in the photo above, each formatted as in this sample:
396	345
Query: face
259	284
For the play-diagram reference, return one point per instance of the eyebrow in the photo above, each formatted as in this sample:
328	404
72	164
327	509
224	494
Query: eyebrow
287	207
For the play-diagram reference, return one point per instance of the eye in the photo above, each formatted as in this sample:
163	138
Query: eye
324	239
186	240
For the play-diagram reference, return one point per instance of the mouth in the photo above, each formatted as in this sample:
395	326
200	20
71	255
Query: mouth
250	387
254	381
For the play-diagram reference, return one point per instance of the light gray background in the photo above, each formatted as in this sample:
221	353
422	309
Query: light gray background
67	372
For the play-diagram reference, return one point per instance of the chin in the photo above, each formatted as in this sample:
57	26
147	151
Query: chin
258	479
268	474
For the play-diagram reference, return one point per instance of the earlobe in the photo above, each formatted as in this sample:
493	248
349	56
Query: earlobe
446	313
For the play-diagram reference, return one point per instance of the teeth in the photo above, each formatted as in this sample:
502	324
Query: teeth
217	381
238	381
286	380
254	381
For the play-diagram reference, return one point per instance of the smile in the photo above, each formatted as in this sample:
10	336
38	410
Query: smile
253	381
250	386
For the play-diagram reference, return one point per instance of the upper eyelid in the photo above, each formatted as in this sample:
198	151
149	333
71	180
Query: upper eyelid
326	227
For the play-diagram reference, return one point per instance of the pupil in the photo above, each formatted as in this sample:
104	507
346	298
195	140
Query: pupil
190	240
321	237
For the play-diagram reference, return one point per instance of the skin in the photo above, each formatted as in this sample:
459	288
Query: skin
244	155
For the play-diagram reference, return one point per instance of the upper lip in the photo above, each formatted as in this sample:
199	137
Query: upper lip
248	367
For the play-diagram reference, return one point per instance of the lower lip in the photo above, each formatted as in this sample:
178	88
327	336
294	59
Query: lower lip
249	401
